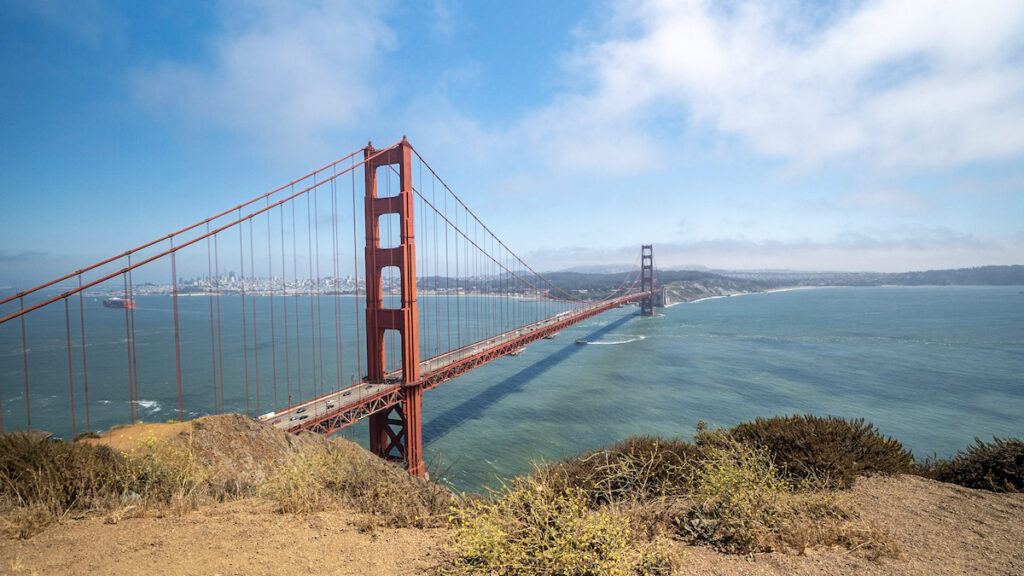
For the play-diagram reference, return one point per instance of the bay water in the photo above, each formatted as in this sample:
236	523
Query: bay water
932	366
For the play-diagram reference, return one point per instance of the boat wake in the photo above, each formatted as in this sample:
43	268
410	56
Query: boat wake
616	342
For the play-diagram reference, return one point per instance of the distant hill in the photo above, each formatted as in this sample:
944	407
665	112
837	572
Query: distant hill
688	285
978	276
680	285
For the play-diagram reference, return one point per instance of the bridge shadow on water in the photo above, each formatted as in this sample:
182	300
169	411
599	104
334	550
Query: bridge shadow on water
472	408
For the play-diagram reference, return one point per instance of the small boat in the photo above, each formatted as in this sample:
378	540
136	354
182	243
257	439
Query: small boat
516	352
116	302
581	341
552	336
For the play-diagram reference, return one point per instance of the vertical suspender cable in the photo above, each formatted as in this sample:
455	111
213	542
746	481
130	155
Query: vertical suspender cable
209	297
245	316
220	339
355	275
177	333
298	341
135	359
71	378
128	349
338	353
252	292
270	300
24	366
85	360
284	298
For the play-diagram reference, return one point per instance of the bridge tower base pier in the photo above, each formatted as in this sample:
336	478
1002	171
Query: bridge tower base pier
395	434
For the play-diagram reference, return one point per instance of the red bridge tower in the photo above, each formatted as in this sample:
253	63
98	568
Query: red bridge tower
647	279
395	434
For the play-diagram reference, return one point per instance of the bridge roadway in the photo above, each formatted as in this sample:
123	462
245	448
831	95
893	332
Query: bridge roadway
335	410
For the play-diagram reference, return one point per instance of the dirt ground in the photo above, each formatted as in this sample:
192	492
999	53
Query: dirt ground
941	528
244	537
126	438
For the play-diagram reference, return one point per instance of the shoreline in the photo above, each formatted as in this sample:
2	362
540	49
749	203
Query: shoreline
770	291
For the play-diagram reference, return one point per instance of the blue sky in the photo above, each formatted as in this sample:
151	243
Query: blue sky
884	135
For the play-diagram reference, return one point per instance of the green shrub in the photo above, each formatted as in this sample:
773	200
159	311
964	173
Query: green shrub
638	468
997	466
742	503
737	498
830	452
534	528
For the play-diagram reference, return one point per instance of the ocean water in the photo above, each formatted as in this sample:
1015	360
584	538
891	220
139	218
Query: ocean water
932	366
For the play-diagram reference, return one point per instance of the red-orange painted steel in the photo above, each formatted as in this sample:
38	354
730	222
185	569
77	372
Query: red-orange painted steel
394	433
392	397
647	279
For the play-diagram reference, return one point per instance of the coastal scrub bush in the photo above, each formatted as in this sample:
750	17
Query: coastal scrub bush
997	466
742	503
533	527
320	476
638	468
38	470
737	502
830	452
42	479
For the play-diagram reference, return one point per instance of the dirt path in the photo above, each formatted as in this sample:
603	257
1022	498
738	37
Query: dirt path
942	529
240	538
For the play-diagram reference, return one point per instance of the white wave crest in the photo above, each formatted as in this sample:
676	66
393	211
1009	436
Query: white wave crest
149	404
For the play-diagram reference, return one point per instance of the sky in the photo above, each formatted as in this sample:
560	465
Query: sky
878	136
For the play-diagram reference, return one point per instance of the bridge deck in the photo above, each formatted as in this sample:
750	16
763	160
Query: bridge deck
336	410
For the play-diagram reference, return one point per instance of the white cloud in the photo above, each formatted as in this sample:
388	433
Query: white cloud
894	200
889	82
283	74
888	250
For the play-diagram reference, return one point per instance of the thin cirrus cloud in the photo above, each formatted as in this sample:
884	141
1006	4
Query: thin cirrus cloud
873	250
286	75
900	83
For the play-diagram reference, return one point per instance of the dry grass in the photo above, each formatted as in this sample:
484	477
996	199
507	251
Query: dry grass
43	480
319	477
220	458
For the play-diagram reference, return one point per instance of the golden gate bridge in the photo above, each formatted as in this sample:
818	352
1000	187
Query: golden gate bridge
298	336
